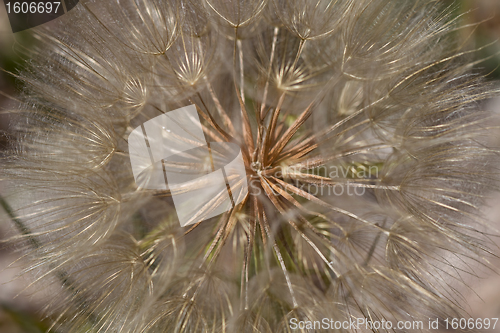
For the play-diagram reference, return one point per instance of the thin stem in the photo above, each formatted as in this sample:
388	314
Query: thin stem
60	274
242	72
266	87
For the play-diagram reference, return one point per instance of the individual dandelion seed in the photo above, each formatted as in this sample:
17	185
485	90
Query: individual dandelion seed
366	152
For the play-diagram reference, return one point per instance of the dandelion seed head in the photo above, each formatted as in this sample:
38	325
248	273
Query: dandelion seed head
367	156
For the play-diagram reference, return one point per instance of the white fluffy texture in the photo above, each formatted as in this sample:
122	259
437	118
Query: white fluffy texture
321	95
